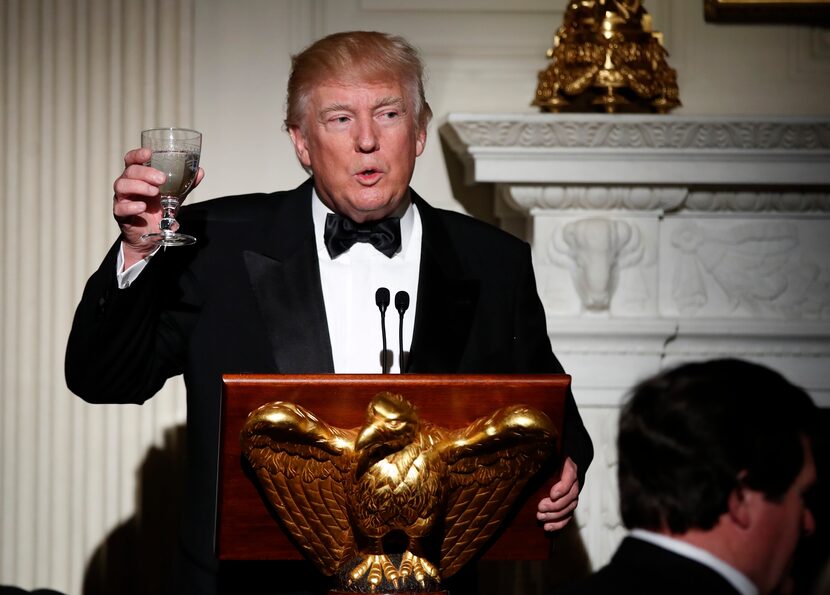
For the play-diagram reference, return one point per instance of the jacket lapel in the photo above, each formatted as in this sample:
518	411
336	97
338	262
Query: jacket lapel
287	289
446	300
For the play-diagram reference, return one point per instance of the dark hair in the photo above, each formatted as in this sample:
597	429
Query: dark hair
690	435
355	57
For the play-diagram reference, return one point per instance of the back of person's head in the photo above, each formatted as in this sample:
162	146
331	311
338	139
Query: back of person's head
690	435
356	57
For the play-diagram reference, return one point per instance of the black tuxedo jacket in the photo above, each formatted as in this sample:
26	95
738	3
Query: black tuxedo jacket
248	298
646	569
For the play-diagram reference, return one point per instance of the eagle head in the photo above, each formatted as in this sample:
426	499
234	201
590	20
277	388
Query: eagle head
391	424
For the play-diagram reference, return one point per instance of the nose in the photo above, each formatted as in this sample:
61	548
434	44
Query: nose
366	140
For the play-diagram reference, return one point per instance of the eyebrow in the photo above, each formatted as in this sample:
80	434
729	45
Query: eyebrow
390	100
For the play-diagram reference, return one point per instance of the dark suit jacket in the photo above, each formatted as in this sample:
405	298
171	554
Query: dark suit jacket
646	569
248	298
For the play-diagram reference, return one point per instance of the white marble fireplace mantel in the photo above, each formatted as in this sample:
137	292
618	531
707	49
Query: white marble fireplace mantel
627	149
659	239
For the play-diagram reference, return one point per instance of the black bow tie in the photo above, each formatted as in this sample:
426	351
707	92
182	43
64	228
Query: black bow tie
341	233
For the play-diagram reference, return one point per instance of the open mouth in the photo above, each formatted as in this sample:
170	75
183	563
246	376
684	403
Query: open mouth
368	176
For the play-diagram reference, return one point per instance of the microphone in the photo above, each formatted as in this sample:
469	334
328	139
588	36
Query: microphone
401	304
382	302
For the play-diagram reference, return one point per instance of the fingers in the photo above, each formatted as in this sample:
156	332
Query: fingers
568	483
556	511
123	209
569	476
137	156
556	504
556	514
147	185
137	178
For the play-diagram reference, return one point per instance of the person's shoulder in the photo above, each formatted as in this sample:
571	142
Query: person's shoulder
645	568
243	206
466	229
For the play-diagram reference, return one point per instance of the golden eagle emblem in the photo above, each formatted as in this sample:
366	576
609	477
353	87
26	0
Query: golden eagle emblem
398	503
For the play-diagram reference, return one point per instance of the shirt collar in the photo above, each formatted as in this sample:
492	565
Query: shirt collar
319	210
735	577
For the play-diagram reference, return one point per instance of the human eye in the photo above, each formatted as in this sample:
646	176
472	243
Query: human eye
389	115
337	120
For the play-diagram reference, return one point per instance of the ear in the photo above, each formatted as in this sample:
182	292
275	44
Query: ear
300	146
420	141
741	501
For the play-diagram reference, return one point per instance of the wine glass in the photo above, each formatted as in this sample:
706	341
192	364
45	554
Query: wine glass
176	154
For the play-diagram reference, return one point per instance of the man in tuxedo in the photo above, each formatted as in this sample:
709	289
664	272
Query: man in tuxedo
285	282
715	463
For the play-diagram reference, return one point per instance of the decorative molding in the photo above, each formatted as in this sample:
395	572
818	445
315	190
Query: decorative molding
695	338
702	338
578	149
602	131
757	202
611	336
527	198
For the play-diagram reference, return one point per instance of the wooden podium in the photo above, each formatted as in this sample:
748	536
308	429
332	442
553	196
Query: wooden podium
247	529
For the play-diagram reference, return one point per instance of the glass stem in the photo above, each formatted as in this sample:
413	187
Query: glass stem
169	208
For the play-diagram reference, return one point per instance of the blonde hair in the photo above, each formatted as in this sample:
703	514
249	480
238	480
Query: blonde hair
353	57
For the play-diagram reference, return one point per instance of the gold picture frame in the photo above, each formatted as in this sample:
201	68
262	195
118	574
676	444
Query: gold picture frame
813	12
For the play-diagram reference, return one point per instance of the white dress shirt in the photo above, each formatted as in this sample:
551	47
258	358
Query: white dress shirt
735	577
349	285
126	277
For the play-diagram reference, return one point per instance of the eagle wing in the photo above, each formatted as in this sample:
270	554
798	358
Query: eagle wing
489	463
302	463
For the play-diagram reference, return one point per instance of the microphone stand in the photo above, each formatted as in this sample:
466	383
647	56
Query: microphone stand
382	302
401	304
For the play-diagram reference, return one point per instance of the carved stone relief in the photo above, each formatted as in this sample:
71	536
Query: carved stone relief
595	249
757	268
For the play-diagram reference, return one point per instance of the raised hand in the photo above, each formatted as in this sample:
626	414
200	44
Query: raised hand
136	203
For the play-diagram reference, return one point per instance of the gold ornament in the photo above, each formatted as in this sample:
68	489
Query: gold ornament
606	57
398	504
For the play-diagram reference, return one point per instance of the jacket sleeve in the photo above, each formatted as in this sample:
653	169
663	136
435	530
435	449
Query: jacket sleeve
122	346
535	355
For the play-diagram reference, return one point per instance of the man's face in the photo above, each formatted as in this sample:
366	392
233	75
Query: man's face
780	524
360	142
